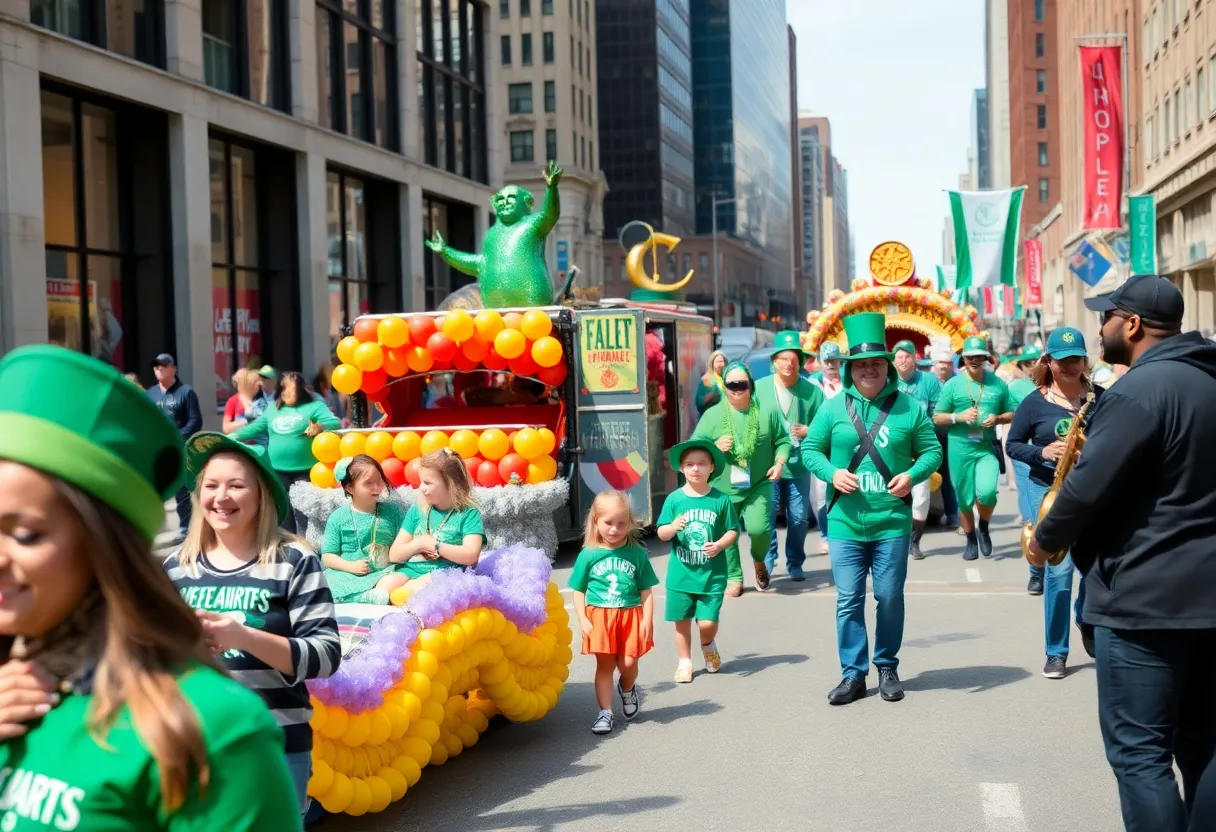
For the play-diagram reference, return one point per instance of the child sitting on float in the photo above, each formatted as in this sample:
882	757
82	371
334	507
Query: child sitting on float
443	530
360	534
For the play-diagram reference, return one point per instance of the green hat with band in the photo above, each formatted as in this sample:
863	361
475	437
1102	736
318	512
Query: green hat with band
677	453
202	446
867	334
789	340
904	346
975	345
78	419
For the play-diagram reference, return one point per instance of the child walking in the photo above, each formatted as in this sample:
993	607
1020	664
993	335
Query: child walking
702	522
443	530
612	578
359	534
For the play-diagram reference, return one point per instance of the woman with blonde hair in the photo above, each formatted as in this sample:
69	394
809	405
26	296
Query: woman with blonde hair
247	384
710	390
116	714
261	595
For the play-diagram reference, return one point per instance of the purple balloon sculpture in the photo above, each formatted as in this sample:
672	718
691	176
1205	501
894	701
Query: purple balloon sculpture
511	580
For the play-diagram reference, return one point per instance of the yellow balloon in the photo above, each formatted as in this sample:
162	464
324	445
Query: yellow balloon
428	665
463	442
322	778
547	352
458	325
397	783
399	723
380	728
382	793
379	445
412	704
548	440
326	447
541	469
432	641
322	476
528	443
488	323
361	799
339	795
535	324
410	766
352	444
419	685
439	754
468	735
510	343
935	481
346	349
493	443
416	749
318	717
358	729
346	379
433	440
336	720
407	445
344	760
392	332
369	356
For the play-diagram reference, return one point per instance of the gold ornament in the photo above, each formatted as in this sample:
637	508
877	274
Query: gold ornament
635	262
891	263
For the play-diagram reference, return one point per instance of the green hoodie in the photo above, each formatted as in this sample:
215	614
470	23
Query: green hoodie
805	401
907	444
772	442
289	449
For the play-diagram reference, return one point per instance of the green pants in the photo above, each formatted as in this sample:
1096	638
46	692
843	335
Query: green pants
753	518
974	473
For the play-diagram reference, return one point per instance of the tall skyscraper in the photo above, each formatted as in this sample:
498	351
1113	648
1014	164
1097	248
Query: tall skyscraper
979	135
996	55
826	238
801	283
811	157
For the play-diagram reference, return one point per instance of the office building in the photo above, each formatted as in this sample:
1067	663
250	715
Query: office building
814	182
979	136
996	84
825	224
802	287
1034	120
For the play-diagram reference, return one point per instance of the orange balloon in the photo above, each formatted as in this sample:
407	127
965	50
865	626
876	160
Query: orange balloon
379	445
547	352
463	442
322	476
475	349
407	445
325	447
365	329
512	320
396	361
352	444
510	343
369	356
541	469
393	332
346	349
493	444
418	359
528	443
458	325
432	441
548	441
488	323
346	378
535	324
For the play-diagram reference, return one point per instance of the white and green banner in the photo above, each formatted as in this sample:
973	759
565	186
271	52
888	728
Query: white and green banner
986	236
947	278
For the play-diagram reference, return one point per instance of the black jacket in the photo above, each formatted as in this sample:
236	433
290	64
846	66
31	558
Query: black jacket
1140	506
1037	423
180	404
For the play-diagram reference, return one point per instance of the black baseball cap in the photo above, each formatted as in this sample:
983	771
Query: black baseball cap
164	360
1151	296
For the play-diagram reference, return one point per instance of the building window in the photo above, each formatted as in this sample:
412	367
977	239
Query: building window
525	49
1168	123
582	144
591	155
1212	81
521	146
1148	140
1190	105
346	226
136	30
1040	45
1041	116
519	98
580	60
546	7
244	49
550	96
550	145
1043	190
525	8
1042	154
505	49
546	44
452	86
586	15
357	63
582	112
1040	81
504	9
1201	92
1177	114
572	51
590	112
1040	11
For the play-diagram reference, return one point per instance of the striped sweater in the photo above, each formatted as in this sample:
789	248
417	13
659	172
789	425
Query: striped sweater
289	598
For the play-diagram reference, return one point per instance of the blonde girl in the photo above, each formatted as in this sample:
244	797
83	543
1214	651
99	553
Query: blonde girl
247	384
360	534
443	530
612	580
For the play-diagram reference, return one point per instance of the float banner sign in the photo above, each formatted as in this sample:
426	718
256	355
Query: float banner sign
608	353
1142	211
1102	103
1034	272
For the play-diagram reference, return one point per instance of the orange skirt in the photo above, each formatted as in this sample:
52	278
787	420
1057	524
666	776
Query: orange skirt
617	632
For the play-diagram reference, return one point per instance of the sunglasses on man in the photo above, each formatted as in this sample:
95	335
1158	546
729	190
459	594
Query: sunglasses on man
738	386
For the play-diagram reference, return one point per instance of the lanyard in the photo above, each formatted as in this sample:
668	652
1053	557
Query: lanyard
442	523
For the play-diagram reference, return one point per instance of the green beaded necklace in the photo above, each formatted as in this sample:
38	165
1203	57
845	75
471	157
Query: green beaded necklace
741	450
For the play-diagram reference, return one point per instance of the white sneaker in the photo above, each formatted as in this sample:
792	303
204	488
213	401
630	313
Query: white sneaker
713	659
684	672
603	723
631	702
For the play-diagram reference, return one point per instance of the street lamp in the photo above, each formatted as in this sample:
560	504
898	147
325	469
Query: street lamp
714	203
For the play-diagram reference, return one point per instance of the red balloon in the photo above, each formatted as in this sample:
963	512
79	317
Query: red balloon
421	328
413	472
463	363
379	396
524	365
441	347
366	329
394	361
394	471
440	366
513	464
487	474
475	349
554	376
471	464
494	361
374	381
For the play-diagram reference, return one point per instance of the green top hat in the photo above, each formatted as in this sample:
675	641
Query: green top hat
975	346
72	416
789	340
867	334
904	346
202	446
1029	353
677	453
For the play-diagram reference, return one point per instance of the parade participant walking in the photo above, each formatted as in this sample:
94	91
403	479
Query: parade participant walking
701	521
443	530
941	363
1139	512
874	444
127	722
290	424
795	401
261	596
1019	389
972	404
757	448
827	380
359	535
925	388
178	401
1036	440
612	580
710	390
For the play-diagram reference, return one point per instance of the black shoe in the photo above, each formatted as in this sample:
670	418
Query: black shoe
1055	667
1034	586
971	551
850	689
1087	639
889	686
985	543
918	531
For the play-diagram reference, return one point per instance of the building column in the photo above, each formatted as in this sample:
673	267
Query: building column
302	47
190	222
22	229
184	39
1191	298
414	250
408	112
314	259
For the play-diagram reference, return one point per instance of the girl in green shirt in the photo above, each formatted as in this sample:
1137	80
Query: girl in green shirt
443	530
359	535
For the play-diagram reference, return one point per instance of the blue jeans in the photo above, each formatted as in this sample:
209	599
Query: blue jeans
1021	476
1057	580
300	766
886	561
949	499
795	494
1155	707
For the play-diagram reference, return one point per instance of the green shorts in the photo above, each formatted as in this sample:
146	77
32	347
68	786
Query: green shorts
702	606
420	568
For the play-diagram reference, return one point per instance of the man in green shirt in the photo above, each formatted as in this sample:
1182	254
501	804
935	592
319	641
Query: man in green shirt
795	401
925	388
971	405
873	444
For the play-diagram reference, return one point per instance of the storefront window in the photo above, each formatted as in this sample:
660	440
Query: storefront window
349	295
245	51
451	86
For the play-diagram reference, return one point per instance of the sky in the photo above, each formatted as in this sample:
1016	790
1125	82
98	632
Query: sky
895	78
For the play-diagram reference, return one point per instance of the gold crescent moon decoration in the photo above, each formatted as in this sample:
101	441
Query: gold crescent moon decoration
891	263
635	262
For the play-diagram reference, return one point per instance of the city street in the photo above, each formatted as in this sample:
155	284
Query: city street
981	742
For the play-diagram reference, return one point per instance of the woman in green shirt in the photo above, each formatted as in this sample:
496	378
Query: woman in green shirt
291	423
124	720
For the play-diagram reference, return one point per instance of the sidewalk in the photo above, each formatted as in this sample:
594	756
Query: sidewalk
163	545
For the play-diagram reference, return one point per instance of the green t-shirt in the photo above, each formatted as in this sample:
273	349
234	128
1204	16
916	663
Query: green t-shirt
707	517
924	387
289	449
349	533
989	398
446	527
613	578
1019	389
57	777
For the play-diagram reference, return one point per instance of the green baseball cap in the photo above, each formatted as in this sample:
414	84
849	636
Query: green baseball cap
78	419
202	446
1029	353
975	346
677	453
268	372
904	346
788	340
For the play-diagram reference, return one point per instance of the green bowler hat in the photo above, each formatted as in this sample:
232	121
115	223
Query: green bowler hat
867	334
677	453
202	446
789	340
975	346
78	419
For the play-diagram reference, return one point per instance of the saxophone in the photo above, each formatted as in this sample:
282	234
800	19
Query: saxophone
1073	443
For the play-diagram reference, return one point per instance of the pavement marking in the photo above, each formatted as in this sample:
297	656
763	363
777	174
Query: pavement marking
1002	804
973	575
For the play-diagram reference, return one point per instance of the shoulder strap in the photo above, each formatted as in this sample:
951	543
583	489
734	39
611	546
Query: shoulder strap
866	446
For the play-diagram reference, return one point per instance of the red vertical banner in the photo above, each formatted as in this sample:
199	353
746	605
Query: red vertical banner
1102	105
1034	272
1008	295
989	305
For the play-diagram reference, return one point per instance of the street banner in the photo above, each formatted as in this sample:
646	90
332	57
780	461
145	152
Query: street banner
1089	264
1033	259
985	236
1102	113
1142	216
946	278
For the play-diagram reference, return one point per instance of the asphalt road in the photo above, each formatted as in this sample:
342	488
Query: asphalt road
981	743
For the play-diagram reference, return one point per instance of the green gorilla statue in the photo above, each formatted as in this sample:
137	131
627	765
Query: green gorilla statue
511	269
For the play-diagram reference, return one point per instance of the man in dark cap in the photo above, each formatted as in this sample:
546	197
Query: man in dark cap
1139	511
177	400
